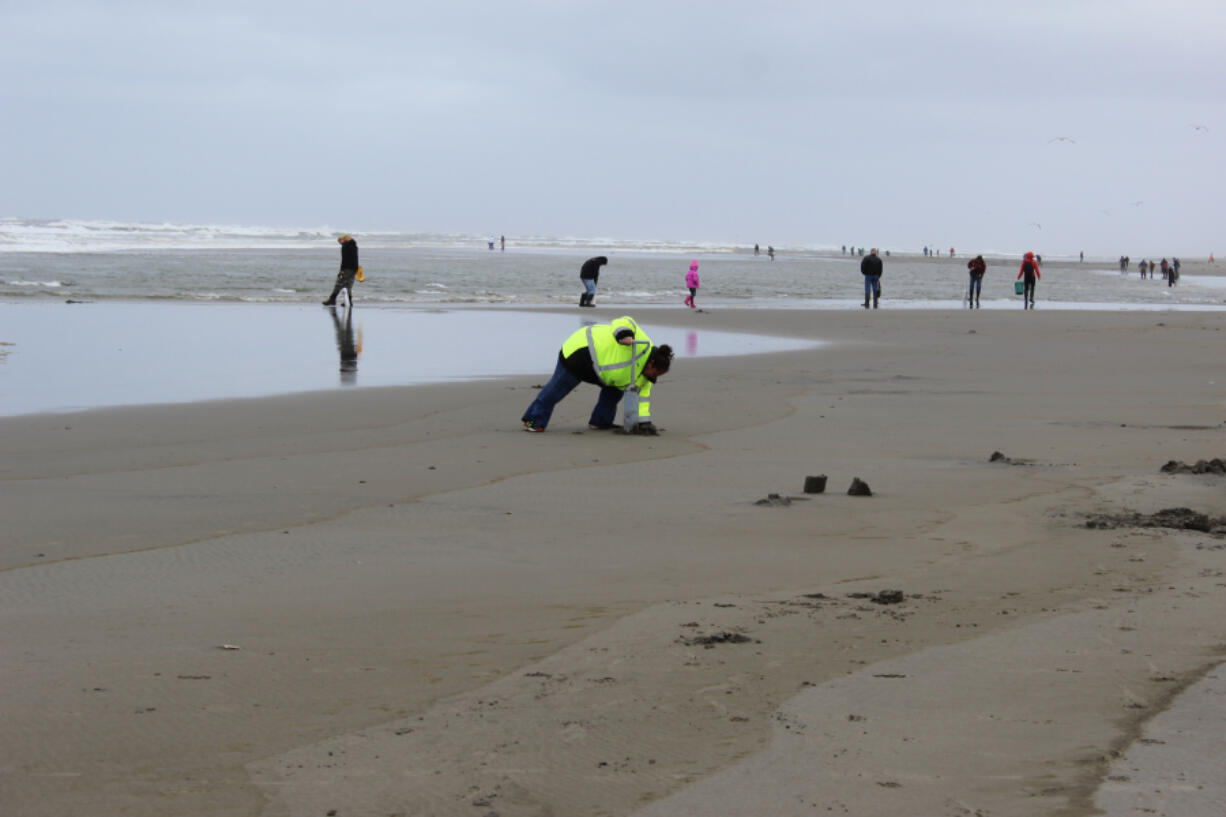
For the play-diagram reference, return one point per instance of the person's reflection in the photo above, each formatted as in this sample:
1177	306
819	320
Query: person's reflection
345	344
691	344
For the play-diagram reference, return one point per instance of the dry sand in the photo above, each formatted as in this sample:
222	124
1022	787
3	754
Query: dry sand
434	613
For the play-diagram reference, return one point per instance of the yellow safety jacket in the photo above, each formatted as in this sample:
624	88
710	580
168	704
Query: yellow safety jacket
614	361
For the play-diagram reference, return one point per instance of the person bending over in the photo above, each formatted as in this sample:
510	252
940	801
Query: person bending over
977	267
614	356
589	274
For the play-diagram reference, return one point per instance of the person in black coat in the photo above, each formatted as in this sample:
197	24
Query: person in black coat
870	268
589	273
349	269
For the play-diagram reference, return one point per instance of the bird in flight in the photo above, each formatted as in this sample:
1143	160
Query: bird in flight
1036	224
1062	139
1137	203
1205	128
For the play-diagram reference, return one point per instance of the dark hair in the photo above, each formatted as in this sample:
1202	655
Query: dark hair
661	357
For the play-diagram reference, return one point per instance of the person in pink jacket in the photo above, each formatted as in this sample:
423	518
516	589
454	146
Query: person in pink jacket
691	281
1029	273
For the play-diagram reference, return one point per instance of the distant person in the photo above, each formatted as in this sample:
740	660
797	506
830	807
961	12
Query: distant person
589	274
491	243
1123	267
925	250
844	249
1029	273
1143	267
951	252
870	268
691	281
615	356
348	272
1173	273
770	251
977	267
1083	256
1038	259
502	243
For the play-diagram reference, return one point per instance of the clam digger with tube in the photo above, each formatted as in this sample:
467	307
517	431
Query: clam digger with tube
619	358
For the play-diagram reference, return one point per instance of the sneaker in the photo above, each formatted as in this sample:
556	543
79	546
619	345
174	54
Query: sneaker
599	428
530	426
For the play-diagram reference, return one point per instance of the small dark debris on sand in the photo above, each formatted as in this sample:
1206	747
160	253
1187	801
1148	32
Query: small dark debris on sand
1213	466
859	488
999	457
774	501
884	597
722	637
1177	518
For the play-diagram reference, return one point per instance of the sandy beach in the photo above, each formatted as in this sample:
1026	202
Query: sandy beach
392	601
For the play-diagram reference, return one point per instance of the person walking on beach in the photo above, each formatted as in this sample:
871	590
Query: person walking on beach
691	281
589	273
870	268
615	356
977	267
770	251
1029	272
349	270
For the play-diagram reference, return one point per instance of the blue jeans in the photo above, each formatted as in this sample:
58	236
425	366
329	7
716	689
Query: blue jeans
976	285
589	285
872	285
563	383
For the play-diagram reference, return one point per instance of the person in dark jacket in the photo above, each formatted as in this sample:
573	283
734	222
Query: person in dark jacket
589	273
1029	273
977	267
870	268
349	269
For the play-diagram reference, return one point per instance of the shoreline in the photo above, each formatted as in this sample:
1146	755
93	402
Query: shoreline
434	610
66	358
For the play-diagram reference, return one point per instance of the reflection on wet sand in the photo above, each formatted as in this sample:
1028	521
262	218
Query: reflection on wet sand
345	344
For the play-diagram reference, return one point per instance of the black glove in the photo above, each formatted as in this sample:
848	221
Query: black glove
648	429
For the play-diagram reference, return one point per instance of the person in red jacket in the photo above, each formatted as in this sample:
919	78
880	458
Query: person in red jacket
1029	273
977	267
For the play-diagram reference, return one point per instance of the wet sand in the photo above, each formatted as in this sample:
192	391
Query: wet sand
393	601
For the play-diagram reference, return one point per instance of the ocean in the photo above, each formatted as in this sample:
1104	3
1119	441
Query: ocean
107	261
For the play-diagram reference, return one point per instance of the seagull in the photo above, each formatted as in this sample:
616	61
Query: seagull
1036	224
1199	127
1137	203
1061	139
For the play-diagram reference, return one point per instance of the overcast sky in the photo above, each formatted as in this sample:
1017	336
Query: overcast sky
877	122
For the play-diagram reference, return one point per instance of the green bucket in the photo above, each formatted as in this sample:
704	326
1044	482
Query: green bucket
1018	287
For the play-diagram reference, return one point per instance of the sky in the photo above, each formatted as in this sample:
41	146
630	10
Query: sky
1062	126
